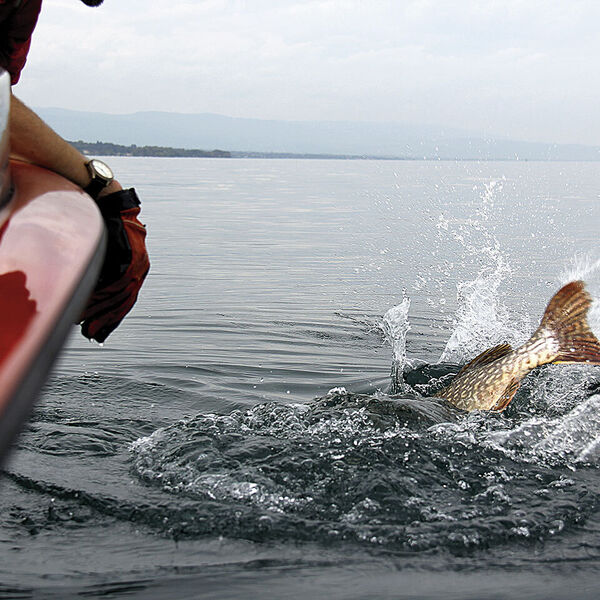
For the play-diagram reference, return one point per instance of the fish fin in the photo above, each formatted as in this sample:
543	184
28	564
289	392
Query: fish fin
507	395
566	320
487	357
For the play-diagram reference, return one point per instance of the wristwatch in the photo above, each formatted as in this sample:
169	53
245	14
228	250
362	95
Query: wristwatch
101	175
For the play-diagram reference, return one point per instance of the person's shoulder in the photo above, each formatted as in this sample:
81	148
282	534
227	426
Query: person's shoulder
24	17
24	8
29	5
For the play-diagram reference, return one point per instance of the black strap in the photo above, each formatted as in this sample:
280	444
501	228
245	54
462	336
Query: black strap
113	204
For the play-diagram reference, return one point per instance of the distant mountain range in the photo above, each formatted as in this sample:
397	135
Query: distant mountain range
210	131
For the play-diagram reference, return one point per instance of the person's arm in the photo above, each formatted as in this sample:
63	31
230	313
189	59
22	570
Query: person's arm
34	141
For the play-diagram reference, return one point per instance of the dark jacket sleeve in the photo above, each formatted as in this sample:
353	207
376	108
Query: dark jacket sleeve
16	26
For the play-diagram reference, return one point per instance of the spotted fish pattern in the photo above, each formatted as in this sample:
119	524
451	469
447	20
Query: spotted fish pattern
490	381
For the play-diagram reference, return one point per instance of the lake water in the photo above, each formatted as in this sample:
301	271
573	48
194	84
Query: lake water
236	437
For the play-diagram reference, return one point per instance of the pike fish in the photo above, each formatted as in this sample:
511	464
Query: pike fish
490	381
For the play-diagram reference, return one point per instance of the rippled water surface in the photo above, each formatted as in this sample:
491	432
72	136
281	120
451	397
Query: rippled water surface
261	425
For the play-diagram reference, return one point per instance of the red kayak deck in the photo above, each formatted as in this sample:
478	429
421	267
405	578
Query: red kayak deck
51	249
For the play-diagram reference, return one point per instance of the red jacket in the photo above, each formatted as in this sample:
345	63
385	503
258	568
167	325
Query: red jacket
17	22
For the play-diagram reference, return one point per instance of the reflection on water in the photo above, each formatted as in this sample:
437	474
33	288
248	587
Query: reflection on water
18	310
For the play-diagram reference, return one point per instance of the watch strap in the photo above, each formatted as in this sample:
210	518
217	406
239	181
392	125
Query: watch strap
94	187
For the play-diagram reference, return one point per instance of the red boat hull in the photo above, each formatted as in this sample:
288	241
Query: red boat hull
51	250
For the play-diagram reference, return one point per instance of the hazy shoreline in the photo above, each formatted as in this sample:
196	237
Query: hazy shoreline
110	149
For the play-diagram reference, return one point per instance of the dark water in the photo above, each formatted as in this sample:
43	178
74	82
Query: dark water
239	437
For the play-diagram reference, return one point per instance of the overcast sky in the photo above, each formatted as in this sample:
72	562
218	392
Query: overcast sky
521	69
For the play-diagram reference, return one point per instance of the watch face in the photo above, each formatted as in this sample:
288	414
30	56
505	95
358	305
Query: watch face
102	169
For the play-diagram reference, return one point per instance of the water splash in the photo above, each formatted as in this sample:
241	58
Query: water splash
482	321
582	266
396	327
395	474
587	268
478	246
570	440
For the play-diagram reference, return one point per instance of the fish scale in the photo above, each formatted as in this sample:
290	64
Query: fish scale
490	381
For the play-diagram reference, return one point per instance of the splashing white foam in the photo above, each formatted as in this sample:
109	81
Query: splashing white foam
395	327
582	266
569	439
482	320
586	267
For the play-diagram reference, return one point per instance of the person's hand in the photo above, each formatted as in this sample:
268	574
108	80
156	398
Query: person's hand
125	267
111	188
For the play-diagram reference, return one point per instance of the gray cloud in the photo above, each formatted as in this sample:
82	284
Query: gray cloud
521	69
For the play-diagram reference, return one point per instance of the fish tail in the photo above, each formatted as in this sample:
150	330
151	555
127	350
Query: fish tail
565	320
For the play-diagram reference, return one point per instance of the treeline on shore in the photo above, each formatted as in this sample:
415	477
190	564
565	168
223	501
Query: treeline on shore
109	149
